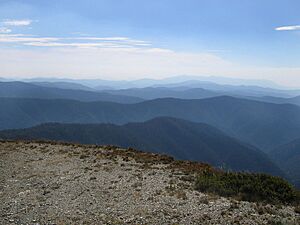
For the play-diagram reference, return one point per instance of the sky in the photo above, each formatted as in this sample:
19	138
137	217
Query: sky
135	39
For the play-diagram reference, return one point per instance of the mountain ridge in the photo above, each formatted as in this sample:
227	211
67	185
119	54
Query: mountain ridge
179	138
19	89
109	185
248	120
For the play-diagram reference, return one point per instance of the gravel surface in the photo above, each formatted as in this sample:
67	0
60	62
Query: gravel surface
52	183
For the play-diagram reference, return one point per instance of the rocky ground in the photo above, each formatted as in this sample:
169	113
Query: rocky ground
48	183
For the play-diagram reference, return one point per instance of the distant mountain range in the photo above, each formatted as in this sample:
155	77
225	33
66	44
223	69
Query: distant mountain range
206	91
175	80
176	137
75	91
58	91
261	124
221	85
294	100
150	93
64	85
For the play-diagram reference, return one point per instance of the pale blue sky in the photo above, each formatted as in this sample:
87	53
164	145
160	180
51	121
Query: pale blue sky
127	39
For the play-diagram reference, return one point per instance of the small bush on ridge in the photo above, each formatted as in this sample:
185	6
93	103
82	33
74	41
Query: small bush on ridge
248	187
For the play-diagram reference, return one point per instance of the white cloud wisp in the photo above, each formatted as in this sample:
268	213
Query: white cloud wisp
17	23
77	42
288	28
5	30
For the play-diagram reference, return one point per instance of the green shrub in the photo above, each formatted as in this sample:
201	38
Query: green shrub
248	187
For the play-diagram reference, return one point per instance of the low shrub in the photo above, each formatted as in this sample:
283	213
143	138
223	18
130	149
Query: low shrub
248	187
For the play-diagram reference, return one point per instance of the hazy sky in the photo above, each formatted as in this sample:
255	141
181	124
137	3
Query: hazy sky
129	39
